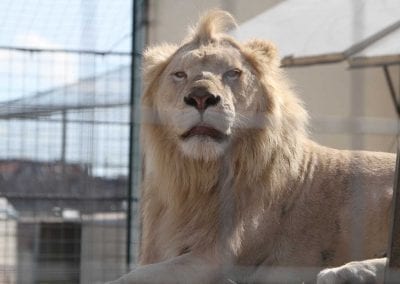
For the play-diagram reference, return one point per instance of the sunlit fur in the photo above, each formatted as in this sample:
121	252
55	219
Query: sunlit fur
266	195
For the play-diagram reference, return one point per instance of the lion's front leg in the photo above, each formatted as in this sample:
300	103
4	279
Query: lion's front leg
367	271
183	269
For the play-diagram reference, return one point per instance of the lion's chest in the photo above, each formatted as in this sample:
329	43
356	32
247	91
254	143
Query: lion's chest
184	231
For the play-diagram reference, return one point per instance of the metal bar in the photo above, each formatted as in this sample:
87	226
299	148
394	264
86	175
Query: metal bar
64	139
393	254
131	136
67	198
56	50
393	264
36	111
139	27
391	89
371	39
46	119
374	61
292	61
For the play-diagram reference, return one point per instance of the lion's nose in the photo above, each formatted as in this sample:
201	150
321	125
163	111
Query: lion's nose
201	98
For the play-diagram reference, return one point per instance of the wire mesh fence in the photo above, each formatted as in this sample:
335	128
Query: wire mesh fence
69	162
64	169
65	122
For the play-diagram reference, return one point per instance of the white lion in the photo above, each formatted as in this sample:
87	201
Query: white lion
233	189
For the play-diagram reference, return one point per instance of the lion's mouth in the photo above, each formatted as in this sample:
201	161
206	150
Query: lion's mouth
204	130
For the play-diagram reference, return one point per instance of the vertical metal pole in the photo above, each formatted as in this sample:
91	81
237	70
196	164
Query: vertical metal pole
131	137
64	139
139	37
393	265
391	89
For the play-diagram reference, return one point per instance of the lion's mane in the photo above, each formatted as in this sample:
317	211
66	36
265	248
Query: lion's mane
256	166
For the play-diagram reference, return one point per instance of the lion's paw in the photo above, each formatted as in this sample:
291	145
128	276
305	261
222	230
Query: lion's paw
365	272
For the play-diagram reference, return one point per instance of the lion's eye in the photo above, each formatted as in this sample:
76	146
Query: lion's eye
179	76
233	74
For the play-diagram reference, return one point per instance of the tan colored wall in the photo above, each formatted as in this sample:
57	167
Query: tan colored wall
350	109
169	19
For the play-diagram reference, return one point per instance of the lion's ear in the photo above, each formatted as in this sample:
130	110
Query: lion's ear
263	51
154	60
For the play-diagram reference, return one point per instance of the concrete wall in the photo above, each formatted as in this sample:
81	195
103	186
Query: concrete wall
350	109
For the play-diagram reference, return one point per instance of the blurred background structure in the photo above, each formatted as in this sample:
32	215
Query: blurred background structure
69	91
67	161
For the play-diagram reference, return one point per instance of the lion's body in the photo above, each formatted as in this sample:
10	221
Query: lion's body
231	178
336	210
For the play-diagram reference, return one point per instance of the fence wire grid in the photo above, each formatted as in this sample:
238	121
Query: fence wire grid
65	126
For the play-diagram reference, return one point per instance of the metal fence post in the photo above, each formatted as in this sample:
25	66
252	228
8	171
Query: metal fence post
393	264
139	33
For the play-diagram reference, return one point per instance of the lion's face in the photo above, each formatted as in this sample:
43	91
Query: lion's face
204	98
